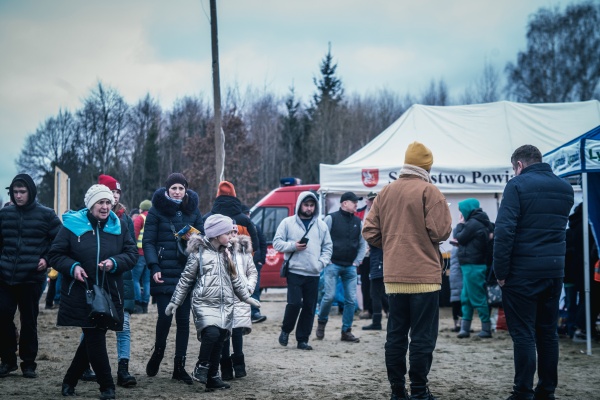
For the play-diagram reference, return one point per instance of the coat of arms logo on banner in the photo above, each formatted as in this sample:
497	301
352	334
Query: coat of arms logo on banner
370	177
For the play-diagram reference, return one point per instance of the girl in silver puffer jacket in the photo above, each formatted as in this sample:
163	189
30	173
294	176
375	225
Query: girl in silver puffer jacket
213	278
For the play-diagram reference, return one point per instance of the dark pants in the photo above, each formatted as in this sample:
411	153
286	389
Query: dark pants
531	309
211	346
182	320
365	286
456	310
301	300
379	299
418	314
26	298
256	293
237	343
51	293
91	350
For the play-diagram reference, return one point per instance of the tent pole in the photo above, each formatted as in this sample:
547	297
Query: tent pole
586	263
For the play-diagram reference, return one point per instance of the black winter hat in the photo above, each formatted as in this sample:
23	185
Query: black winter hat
174	178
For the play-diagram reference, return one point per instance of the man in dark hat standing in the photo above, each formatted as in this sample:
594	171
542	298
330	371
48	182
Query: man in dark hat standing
27	230
349	248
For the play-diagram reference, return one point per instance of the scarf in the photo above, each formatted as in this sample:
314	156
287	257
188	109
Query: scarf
408	169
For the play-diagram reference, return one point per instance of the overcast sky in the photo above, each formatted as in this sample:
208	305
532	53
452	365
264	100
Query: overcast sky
52	53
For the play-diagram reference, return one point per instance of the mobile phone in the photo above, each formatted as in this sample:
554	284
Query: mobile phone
304	240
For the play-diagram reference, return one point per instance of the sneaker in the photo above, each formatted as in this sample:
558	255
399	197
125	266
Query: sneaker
283	338
257	318
29	372
580	337
304	346
6	369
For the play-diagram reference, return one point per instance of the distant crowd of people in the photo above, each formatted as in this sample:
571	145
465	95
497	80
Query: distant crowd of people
209	265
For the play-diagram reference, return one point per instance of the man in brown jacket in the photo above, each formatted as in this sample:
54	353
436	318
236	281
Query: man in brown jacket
408	220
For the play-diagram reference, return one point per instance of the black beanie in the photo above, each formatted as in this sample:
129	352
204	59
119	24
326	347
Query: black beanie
174	178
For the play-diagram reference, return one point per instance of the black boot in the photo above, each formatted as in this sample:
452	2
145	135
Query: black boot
399	392
155	359
226	369
421	393
215	382
201	372
239	366
179	371
375	325
108	393
123	377
88	375
144	308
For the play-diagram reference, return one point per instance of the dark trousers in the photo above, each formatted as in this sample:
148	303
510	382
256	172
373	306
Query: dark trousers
456	310
379	299
418	314
182	320
301	301
26	298
91	350
211	346
237	343
531	309
365	286
51	293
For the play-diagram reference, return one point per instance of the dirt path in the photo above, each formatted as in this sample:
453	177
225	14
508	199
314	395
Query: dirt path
462	369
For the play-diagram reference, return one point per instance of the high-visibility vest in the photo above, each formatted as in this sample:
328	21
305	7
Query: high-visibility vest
141	235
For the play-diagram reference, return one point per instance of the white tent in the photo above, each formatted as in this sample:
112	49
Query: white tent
471	147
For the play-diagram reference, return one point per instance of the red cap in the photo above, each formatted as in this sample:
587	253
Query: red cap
109	182
226	188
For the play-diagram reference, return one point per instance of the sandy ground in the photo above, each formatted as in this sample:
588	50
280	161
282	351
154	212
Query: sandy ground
462	369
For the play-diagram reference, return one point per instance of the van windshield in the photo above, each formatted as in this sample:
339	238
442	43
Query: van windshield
268	219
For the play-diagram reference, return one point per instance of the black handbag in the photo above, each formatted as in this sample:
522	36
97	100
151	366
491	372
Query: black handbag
285	268
493	290
103	312
182	254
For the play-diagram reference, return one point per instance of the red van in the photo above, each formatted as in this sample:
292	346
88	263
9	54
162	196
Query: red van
268	214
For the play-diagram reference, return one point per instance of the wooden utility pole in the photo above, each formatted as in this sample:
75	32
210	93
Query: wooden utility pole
219	135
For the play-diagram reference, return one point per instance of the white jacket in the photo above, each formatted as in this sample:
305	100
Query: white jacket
318	251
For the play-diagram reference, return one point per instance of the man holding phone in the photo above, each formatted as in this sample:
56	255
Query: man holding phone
306	259
349	248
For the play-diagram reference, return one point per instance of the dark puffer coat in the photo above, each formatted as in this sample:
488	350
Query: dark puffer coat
232	207
128	291
472	237
159	244
26	234
85	241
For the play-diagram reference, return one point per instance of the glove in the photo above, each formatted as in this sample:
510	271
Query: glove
171	308
252	302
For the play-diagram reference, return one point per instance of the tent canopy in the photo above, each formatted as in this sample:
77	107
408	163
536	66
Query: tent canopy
471	144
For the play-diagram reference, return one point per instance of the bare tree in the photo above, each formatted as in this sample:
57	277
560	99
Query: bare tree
485	89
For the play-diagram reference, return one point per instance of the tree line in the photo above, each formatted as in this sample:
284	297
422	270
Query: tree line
269	136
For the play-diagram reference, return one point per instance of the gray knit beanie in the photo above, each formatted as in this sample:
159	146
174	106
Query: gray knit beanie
216	225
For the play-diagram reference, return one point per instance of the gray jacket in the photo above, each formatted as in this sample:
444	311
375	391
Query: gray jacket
213	288
318	251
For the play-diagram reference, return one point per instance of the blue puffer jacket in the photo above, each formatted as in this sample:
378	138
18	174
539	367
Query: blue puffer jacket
160	247
529	239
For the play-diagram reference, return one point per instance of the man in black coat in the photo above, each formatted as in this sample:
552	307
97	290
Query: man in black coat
26	232
529	261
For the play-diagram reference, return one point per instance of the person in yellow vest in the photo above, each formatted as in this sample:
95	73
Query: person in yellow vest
140	272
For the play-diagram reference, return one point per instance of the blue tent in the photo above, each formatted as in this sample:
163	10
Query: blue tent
581	156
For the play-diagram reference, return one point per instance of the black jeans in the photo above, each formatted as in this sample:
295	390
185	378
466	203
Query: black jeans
531	309
182	320
379	299
26	298
365	286
211	346
301	300
91	350
237	343
418	314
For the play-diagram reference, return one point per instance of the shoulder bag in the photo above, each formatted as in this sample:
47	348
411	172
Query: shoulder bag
494	291
102	309
182	254
283	273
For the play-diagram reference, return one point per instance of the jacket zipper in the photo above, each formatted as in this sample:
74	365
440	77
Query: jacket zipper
18	254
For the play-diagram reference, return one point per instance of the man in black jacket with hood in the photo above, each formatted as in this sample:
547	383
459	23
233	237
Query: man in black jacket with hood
26	232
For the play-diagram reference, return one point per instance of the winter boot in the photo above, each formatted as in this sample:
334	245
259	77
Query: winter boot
347	336
179	371
375	325
137	309
201	372
421	393
239	367
486	330
399	392
123	377
321	329
465	329
144	308
108	393
226	368
155	359
215	382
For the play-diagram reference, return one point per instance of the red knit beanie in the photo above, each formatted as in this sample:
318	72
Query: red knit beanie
109	182
226	189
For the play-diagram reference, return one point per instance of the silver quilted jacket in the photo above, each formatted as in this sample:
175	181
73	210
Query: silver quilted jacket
213	289
241	250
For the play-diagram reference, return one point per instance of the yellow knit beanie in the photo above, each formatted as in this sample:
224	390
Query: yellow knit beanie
418	155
